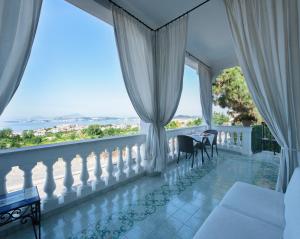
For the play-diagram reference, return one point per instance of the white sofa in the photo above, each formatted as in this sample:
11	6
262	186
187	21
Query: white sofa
250	212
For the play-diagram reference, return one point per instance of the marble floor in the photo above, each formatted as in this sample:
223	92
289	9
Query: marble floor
171	206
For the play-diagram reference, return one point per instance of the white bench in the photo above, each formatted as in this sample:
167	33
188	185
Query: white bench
251	212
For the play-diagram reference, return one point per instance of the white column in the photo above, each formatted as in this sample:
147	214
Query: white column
130	172
246	143
110	177
69	194
99	183
121	175
51	200
85	188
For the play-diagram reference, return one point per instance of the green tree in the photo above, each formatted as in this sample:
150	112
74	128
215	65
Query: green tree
6	133
94	130
28	134
174	124
220	118
194	122
230	91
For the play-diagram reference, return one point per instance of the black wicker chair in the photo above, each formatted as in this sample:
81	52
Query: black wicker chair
214	142
186	145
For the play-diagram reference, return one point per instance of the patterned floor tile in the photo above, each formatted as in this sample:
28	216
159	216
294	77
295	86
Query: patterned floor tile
173	206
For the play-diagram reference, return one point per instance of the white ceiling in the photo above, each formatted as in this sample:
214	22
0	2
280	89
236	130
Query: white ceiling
209	37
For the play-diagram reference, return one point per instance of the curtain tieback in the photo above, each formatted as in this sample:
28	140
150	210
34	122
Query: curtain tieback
291	149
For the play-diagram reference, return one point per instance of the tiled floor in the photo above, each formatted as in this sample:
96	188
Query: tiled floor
172	206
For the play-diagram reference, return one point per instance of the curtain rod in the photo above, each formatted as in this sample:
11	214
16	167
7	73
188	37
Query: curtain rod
187	12
130	14
197	59
174	19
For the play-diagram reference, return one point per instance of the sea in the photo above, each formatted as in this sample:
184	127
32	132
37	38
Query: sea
20	125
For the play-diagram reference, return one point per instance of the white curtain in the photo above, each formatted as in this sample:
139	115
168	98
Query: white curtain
266	37
205	84
18	23
152	63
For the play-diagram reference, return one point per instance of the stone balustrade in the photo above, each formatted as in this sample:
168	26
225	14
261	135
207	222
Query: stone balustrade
234	138
96	164
67	172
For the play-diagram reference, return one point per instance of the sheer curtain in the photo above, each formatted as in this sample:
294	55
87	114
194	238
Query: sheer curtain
266	37
18	23
205	93
152	64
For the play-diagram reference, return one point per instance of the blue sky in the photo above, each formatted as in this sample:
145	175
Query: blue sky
74	68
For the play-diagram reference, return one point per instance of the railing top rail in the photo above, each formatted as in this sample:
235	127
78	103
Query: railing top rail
186	128
79	143
231	127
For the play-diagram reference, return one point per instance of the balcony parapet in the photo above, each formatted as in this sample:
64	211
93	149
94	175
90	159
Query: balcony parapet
96	164
70	171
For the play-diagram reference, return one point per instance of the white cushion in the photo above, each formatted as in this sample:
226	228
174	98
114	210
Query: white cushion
260	203
224	223
292	207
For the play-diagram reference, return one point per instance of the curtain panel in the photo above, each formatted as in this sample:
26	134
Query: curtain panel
206	99
18	24
266	38
152	64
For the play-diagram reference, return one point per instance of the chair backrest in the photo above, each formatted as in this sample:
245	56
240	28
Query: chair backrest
185	144
214	132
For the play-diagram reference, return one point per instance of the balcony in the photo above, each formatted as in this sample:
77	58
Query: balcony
106	178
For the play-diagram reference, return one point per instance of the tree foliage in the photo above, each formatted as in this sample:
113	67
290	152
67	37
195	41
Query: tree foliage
10	140
220	118
195	122
174	124
230	91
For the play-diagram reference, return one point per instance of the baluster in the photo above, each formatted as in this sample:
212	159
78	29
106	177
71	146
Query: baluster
99	183
27	169
143	159
138	167
220	137
241	139
69	194
170	145
225	138
3	172
235	136
173	147
129	162
84	188
176	146
121	175
51	200
238	141
232	141
110	177
229	139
